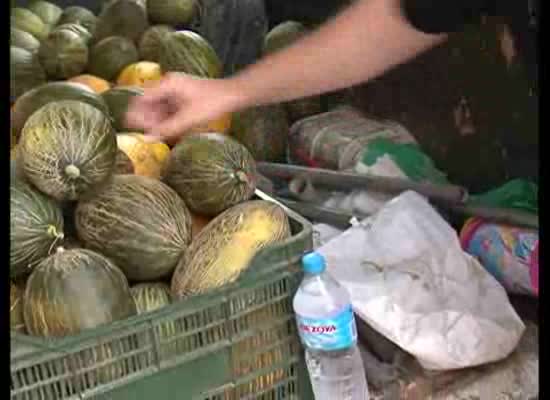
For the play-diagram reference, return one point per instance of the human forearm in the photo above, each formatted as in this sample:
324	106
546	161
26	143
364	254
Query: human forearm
361	43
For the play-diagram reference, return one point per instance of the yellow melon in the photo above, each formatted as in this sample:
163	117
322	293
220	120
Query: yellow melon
95	83
220	125
142	74
147	157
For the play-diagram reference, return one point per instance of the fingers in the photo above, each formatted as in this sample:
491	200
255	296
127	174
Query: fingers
172	127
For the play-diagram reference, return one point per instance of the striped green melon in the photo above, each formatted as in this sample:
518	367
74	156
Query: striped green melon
68	148
17	322
75	290
211	172
188	52
138	222
263	131
78	29
79	15
227	245
172	12
32	100
118	99
24	40
151	42
126	18
109	57
48	12
26	20
25	72
63	54
36	224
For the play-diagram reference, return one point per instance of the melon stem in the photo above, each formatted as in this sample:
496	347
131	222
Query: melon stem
72	171
242	177
52	231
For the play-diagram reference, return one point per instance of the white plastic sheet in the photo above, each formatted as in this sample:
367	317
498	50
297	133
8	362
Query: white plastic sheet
410	280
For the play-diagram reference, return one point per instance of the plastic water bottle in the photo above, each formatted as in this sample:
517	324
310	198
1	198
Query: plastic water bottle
328	332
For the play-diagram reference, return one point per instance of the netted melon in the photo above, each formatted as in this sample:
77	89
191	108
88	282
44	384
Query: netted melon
263	131
34	99
24	40
148	158
126	18
79	15
110	56
151	42
123	164
188	52
95	83
48	12
63	54
25	72
142	74
17	322
227	245
67	149
36	224
118	100
26	20
211	172
74	290
138	222
81	31
172	12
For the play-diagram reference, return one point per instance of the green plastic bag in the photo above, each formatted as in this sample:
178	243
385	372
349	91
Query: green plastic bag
518	193
416	165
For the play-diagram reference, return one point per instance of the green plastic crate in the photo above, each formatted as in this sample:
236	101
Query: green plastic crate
236	343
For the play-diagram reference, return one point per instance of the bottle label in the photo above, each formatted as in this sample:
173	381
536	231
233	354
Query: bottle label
336	333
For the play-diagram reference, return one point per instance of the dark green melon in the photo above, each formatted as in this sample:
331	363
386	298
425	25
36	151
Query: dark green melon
109	57
263	131
211	172
126	18
79	15
26	20
64	54
32	100
151	42
36	224
138	222
67	149
25	72
123	164
75	290
48	12
118	99
17	322
172	12
225	247
188	52
78	29
24	40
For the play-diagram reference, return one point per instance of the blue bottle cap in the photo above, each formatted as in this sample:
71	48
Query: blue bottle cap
313	263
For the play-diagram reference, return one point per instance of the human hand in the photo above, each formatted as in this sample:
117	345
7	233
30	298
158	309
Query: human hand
179	102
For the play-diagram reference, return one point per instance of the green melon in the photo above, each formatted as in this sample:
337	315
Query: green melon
36	224
211	172
138	222
172	12
110	56
17	322
188	52
151	42
225	247
118	99
24	40
78	29
79	15
34	99
25	72
48	12
263	131
75	290
26	20
68	149
126	18
64	54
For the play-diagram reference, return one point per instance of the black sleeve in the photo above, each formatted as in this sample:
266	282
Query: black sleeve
445	16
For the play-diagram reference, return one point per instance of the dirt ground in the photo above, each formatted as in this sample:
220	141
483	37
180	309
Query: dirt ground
473	113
